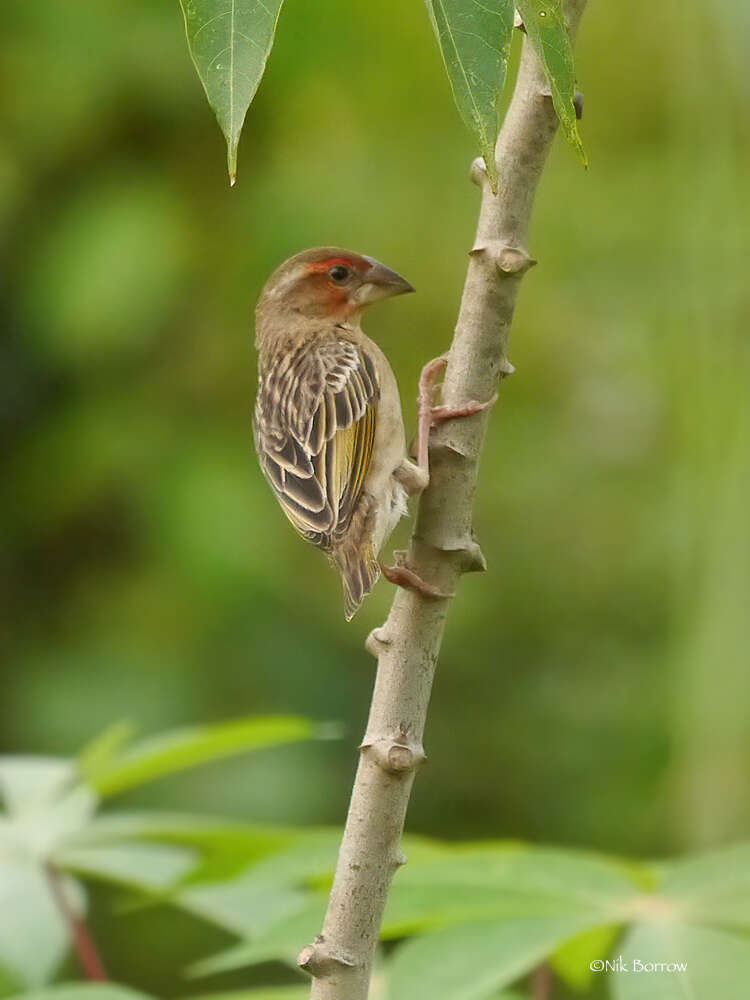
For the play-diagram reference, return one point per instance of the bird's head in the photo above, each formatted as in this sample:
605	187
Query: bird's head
329	282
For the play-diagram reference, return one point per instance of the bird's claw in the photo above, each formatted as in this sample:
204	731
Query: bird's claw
402	576
440	413
428	389
430	415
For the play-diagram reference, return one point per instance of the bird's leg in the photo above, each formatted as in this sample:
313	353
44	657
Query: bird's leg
429	414
427	391
415	477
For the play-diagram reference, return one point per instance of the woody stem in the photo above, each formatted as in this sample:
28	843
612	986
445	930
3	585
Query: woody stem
442	548
78	930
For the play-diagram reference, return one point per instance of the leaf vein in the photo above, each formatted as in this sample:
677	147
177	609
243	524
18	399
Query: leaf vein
210	21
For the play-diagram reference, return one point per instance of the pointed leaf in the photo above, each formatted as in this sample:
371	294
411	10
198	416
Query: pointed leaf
281	940
545	26
180	749
240	908
572	961
716	963
262	993
45	805
33	936
83	991
104	747
144	867
506	880
474	961
230	41
474	38
713	887
243	842
28	783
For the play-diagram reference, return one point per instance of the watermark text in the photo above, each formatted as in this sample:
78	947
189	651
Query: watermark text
621	964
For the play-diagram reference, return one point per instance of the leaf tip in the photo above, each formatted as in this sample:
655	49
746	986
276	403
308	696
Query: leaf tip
232	160
328	731
491	169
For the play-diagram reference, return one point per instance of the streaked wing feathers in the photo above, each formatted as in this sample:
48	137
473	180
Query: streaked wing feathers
314	430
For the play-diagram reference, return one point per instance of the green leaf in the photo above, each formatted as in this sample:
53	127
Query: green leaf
492	881
45	805
545	26
105	747
241	909
29	783
713	887
144	867
83	991
474	38
230	41
227	848
9	983
33	936
572	961
717	963
280	941
474	961
309	860
181	749
203	832
262	993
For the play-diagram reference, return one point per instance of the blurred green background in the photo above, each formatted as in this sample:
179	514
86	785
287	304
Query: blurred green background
596	677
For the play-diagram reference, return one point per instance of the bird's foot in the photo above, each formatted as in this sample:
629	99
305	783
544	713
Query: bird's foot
402	576
440	413
430	414
428	390
428	379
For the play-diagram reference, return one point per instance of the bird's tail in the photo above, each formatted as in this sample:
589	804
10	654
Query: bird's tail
359	572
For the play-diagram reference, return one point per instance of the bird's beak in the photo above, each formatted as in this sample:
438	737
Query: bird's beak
380	283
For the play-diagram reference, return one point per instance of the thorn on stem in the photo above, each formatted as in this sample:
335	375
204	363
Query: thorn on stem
397	754
472	557
478	172
509	260
513	260
376	640
318	961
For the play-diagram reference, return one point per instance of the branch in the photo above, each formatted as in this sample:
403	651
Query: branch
80	935
442	548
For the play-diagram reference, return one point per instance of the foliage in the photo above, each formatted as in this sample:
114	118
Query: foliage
468	920
474	40
80	991
110	769
230	41
49	830
142	564
544	23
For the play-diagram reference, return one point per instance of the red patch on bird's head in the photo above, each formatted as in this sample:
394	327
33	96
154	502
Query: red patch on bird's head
336	294
323	266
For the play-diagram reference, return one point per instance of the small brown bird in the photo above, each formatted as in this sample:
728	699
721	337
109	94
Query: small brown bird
328	427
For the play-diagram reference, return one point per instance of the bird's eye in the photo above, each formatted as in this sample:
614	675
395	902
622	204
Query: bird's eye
339	274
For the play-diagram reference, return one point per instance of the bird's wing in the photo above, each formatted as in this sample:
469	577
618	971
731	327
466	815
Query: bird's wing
314	428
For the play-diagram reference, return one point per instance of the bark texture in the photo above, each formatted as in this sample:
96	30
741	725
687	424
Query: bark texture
442	548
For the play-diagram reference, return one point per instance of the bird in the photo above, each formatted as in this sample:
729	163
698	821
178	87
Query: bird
328	427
